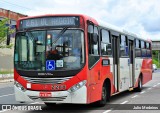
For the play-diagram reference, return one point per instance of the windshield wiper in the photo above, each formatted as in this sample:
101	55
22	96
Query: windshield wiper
60	34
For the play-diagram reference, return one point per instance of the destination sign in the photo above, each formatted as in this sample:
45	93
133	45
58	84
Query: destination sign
49	22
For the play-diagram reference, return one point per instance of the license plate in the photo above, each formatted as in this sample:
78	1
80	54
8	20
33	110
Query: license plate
45	94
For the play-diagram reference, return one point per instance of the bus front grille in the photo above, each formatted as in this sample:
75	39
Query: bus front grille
49	98
54	98
46	80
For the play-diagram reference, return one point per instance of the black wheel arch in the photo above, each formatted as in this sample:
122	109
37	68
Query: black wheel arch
107	84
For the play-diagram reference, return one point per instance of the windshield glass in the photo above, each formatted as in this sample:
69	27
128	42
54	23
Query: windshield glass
49	50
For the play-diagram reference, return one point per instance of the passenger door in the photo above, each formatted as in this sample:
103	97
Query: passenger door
131	66
124	64
115	66
94	64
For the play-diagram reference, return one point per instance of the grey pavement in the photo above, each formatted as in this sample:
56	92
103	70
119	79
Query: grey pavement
6	78
6	62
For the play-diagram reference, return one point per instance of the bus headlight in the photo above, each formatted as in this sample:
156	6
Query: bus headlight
19	86
77	86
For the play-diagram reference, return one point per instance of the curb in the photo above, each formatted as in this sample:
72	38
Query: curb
6	80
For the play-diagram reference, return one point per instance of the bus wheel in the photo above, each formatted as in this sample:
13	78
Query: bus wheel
104	99
50	104
139	88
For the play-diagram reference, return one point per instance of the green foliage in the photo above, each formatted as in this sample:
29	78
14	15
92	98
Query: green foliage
3	33
155	58
156	62
6	72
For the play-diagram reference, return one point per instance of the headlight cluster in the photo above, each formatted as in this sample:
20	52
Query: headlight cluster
19	86
77	86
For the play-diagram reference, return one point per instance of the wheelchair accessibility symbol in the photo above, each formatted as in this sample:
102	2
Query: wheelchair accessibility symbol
50	65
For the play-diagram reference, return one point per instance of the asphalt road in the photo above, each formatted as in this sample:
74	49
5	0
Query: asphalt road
118	103
157	71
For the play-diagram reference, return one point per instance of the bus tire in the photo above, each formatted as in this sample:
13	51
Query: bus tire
105	96
139	88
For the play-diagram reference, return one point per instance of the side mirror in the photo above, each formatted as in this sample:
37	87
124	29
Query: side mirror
94	38
8	39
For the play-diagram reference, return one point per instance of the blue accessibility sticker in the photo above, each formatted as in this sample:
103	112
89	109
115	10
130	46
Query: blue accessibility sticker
50	65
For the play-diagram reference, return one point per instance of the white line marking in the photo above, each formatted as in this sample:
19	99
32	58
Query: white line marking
154	85
124	102
142	92
158	83
149	88
134	96
107	111
7	95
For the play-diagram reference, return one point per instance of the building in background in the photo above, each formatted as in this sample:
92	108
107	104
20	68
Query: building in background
13	16
6	55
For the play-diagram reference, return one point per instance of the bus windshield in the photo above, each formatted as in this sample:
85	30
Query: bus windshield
49	50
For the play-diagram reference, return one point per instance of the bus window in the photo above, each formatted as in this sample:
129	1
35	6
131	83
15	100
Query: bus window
92	48
147	45
95	46
90	32
137	44
68	48
23	49
142	44
137	49
124	46
148	50
144	51
30	50
105	43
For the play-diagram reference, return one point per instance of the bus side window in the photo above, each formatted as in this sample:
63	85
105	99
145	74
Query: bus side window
93	48
105	43
90	32
148	49
124	50
143	48
137	49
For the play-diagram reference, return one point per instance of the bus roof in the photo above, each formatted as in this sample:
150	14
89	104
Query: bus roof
48	15
96	22
120	30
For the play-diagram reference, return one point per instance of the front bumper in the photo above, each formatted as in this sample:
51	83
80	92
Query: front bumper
77	97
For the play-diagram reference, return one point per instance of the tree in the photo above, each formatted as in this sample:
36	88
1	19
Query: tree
4	30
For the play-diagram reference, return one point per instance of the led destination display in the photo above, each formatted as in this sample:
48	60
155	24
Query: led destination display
49	22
